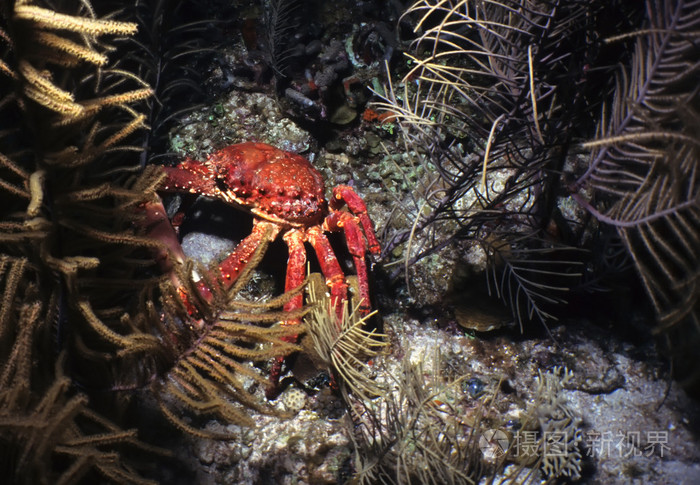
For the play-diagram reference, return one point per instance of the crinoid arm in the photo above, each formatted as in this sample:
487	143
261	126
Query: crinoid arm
344	347
215	370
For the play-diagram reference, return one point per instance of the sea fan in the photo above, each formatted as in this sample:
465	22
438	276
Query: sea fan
209	369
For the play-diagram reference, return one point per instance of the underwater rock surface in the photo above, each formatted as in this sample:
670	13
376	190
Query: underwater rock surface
620	417
636	426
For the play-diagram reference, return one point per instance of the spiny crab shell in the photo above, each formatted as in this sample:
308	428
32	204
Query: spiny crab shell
274	185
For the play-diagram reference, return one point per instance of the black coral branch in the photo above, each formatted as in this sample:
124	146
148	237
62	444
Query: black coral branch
644	163
533	280
488	118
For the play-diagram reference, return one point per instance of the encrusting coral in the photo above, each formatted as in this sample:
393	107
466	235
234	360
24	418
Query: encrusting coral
560	439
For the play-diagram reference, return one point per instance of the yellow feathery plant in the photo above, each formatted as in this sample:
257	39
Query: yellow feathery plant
129	328
68	204
43	428
78	114
74	224
344	349
44	37
210	369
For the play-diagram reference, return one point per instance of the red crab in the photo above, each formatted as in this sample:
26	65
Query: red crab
286	195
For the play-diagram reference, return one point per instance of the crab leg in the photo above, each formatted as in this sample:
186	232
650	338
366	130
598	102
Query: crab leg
354	224
296	269
335	278
158	227
231	267
351	226
346	194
